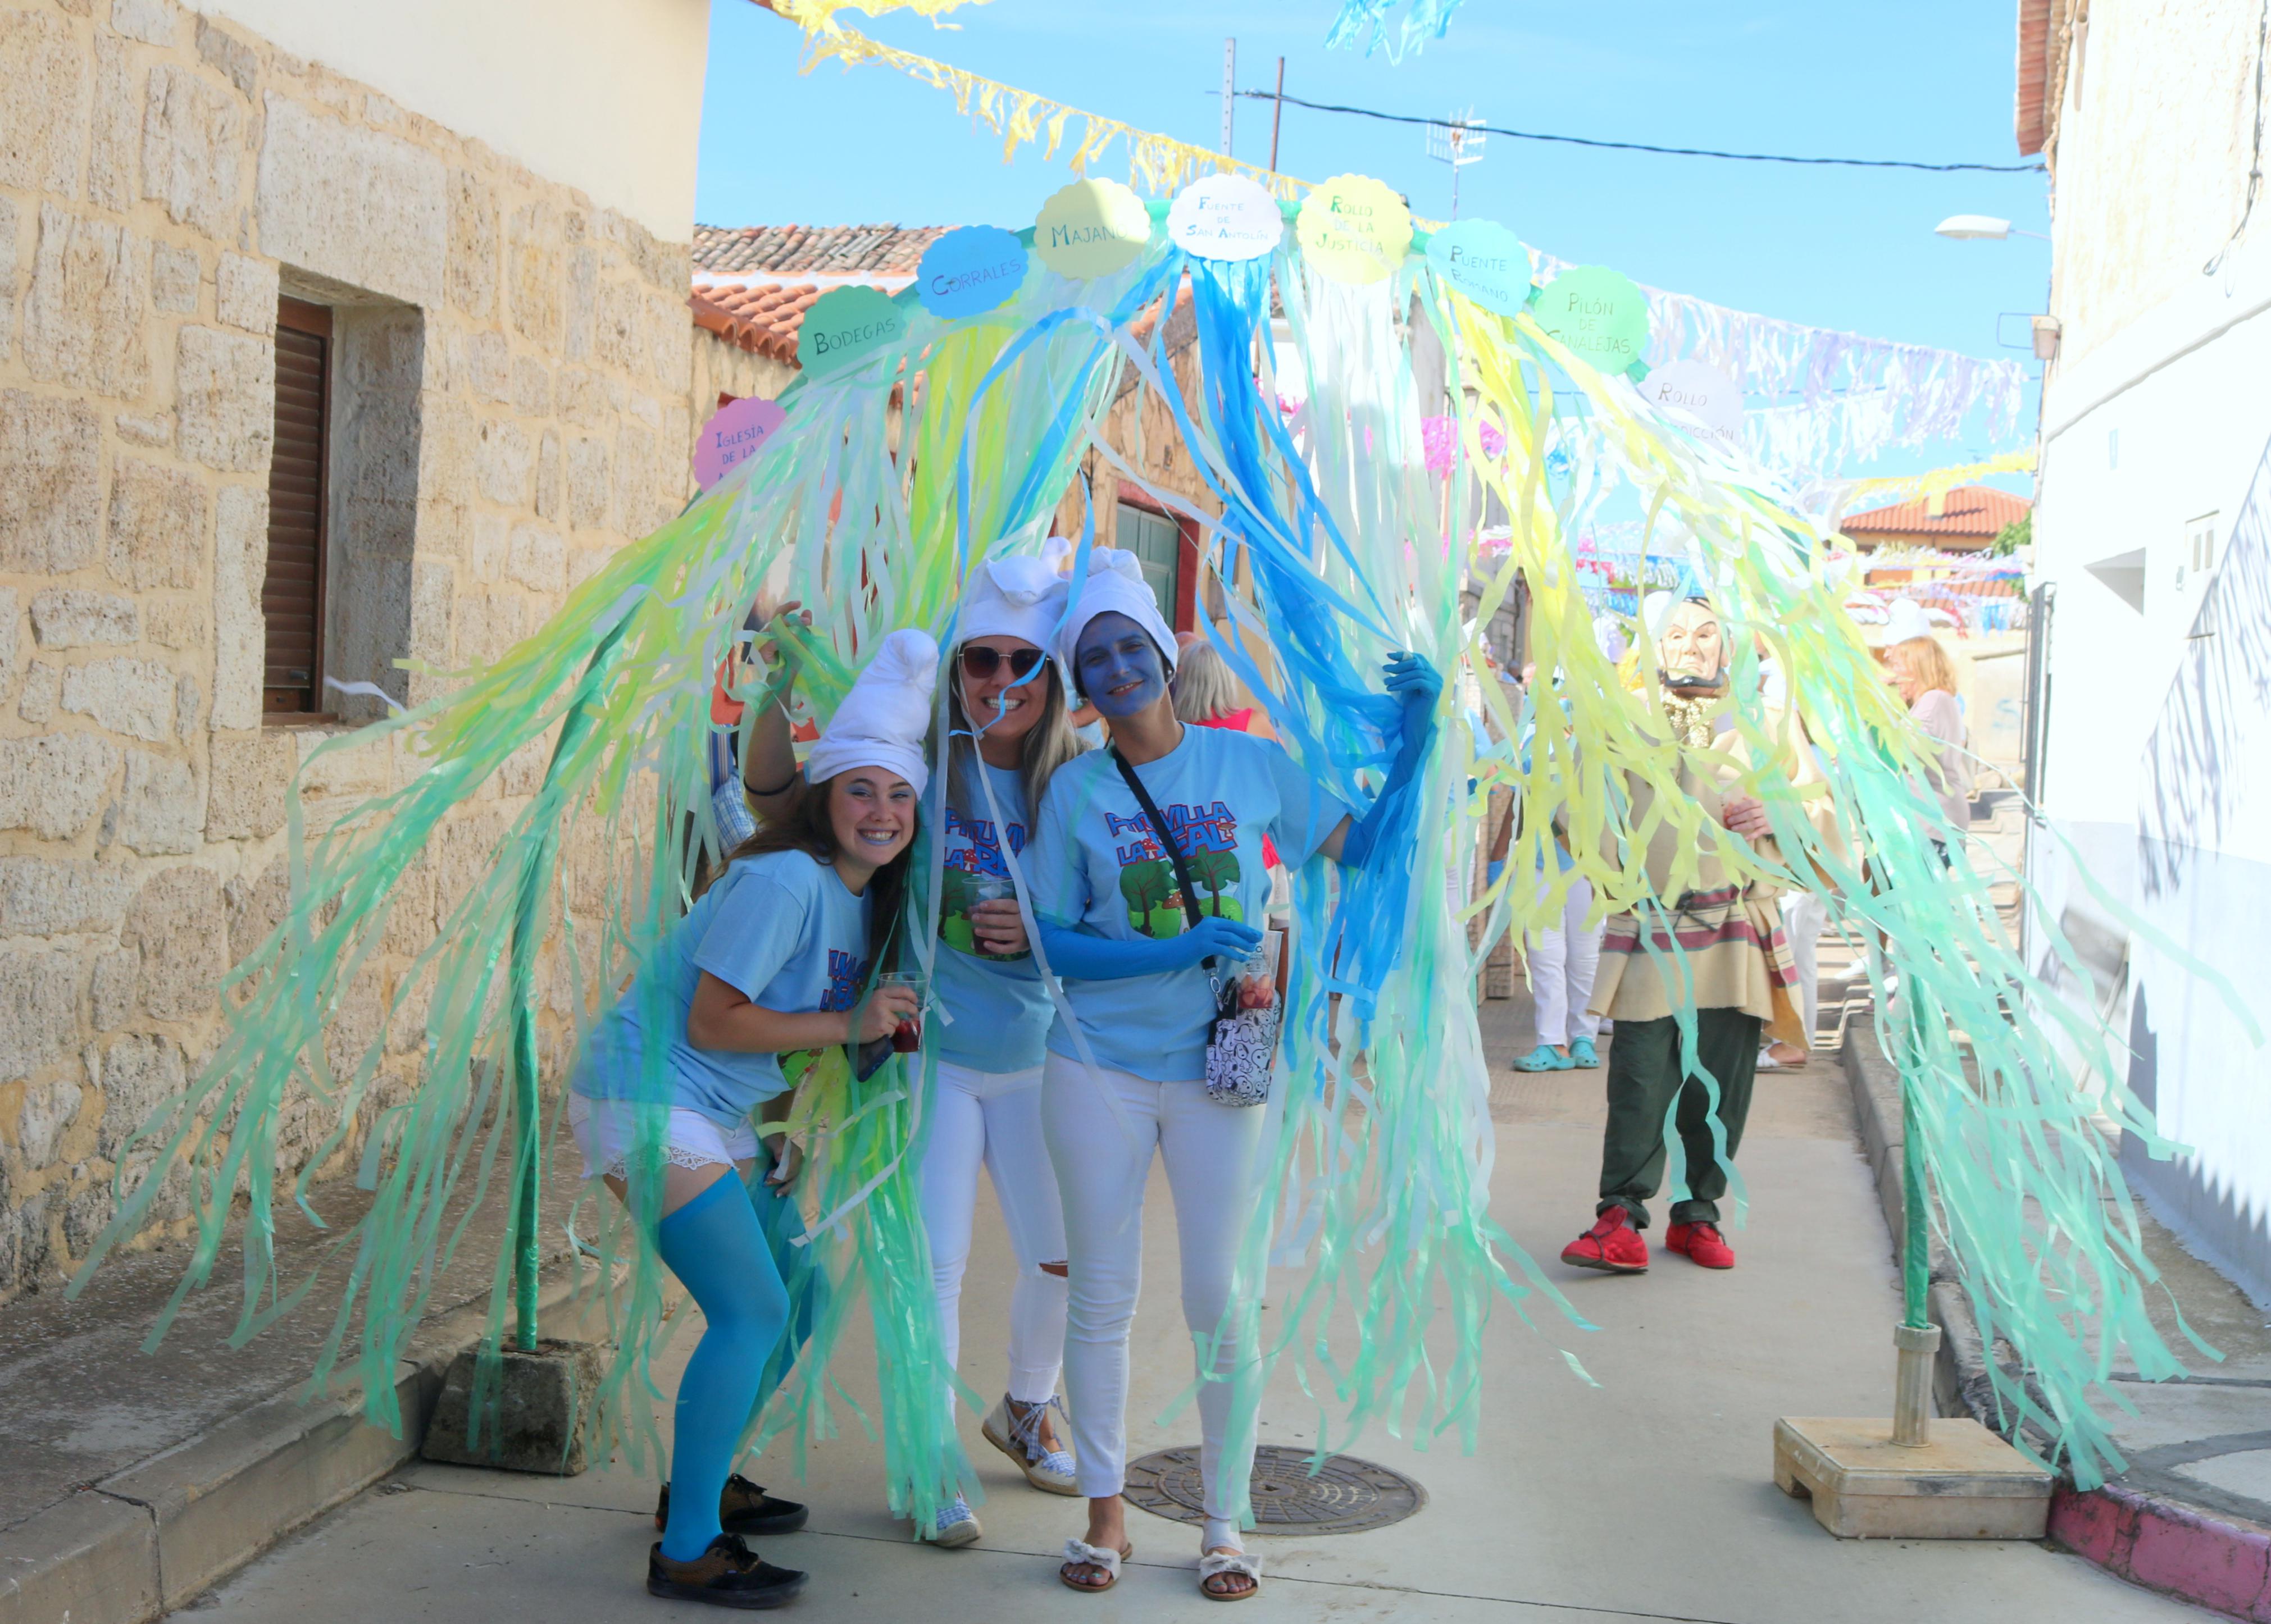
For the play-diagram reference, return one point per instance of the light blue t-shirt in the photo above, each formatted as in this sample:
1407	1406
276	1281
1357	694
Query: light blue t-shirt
1001	1009
783	932
1095	865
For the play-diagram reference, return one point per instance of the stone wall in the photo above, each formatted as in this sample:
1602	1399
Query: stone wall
515	385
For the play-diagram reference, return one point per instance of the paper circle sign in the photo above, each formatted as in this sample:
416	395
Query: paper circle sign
1091	228
1225	217
969	270
846	323
1703	392
1486	262
1354	229
736	432
1597	314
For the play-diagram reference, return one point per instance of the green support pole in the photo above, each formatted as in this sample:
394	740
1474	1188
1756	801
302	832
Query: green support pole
1916	1247
527	942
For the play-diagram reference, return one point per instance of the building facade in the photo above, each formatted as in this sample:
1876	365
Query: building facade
332	336
2150	535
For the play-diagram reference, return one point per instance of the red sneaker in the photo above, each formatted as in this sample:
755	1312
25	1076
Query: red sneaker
1612	1244
1702	1243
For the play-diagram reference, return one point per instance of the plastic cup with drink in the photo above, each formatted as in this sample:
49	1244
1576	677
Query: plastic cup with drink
1256	975
906	1037
994	888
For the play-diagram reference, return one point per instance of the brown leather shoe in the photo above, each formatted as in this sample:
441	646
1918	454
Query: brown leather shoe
727	1574
744	1509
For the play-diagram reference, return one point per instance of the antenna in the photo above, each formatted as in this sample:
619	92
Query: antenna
1458	142
1229	91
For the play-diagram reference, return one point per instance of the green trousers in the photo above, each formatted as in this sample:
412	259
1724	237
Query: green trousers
1645	1075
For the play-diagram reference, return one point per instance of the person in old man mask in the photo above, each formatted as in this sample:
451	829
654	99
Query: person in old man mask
1719	942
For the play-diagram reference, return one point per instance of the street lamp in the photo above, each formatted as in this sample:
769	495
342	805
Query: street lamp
1970	228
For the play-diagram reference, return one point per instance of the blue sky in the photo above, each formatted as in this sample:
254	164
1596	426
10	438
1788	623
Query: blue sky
1838	247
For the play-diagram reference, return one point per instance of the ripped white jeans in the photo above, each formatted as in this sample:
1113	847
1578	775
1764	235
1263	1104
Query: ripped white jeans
993	1118
1209	1152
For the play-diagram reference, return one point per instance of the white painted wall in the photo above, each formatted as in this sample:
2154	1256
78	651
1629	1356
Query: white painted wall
2158	745
603	95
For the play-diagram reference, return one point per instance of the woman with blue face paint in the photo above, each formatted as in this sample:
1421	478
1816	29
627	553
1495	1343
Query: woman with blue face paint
1006	712
1114	926
769	967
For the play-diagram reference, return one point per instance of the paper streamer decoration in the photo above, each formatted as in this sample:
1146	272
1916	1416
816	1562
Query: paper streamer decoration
1597	314
1225	217
1426	21
736	432
969	270
1091	228
1486	262
1703	392
846	323
1354	229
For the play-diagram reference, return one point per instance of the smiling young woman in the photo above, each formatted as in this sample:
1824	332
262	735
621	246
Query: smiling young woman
769	967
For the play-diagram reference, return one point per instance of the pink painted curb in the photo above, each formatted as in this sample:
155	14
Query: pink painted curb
2165	1545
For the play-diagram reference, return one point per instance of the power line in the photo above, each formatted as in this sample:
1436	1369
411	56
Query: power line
1642	146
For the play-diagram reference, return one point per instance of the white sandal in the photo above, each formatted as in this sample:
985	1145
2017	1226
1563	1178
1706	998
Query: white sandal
1079	1552
1214	1562
1050	1471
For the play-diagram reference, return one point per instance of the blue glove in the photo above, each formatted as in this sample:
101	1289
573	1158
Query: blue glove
1084	956
1411	680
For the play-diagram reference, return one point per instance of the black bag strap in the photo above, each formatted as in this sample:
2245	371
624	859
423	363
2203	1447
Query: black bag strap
1174	852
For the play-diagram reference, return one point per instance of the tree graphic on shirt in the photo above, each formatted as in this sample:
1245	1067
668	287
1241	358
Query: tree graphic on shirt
1154	907
1216	872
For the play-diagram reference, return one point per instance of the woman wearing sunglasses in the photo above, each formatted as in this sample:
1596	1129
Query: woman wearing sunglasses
1006	713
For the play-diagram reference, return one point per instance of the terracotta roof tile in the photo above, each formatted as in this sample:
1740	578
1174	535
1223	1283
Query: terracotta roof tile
1970	512
789	251
763	320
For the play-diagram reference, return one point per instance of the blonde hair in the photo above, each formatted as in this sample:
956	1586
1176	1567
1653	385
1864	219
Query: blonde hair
1924	660
1205	686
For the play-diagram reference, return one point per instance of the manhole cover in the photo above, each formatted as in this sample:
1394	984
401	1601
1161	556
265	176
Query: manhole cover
1347	1497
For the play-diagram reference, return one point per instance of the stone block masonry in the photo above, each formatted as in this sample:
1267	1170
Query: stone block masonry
512	378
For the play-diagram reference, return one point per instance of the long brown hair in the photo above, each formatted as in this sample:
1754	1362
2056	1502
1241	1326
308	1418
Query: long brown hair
1047	745
810	830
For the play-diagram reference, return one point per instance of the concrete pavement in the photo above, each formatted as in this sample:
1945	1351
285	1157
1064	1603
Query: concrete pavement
1646	1498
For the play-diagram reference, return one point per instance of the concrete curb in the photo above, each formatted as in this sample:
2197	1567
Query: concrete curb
146	1540
2158	1544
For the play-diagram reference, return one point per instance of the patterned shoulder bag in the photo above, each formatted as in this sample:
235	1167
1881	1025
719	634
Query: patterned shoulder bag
1242	1044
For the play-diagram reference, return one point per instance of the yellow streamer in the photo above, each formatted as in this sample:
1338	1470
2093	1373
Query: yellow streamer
1158	164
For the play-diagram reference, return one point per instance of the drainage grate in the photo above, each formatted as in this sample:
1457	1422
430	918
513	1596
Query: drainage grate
1347	1497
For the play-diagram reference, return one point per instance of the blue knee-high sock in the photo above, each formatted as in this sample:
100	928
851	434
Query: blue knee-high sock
807	1287
714	1245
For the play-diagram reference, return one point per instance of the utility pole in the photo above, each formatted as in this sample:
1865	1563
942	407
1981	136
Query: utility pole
1229	91
1277	115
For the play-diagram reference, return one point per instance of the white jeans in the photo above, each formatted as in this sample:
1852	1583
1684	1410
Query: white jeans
1563	961
1209	1152
1805	916
994	1118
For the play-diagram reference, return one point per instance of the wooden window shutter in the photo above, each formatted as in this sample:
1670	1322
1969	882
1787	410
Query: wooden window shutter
292	592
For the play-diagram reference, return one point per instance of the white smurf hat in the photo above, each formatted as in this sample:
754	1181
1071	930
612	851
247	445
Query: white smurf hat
882	721
1115	585
1904	618
1021	596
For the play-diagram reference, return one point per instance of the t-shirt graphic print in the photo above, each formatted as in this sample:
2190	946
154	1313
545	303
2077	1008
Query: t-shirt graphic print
1207	836
973	855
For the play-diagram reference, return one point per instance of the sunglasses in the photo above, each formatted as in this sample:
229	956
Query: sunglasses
980	663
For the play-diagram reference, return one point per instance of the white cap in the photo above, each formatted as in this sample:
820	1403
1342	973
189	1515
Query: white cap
1904	618
885	719
1115	585
1021	596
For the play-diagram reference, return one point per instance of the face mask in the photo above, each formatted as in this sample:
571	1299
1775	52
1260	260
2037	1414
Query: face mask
1113	653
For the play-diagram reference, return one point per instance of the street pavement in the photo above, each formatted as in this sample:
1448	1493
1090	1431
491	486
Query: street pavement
1648	1497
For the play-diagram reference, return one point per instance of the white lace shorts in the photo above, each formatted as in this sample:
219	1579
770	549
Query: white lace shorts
606	1130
